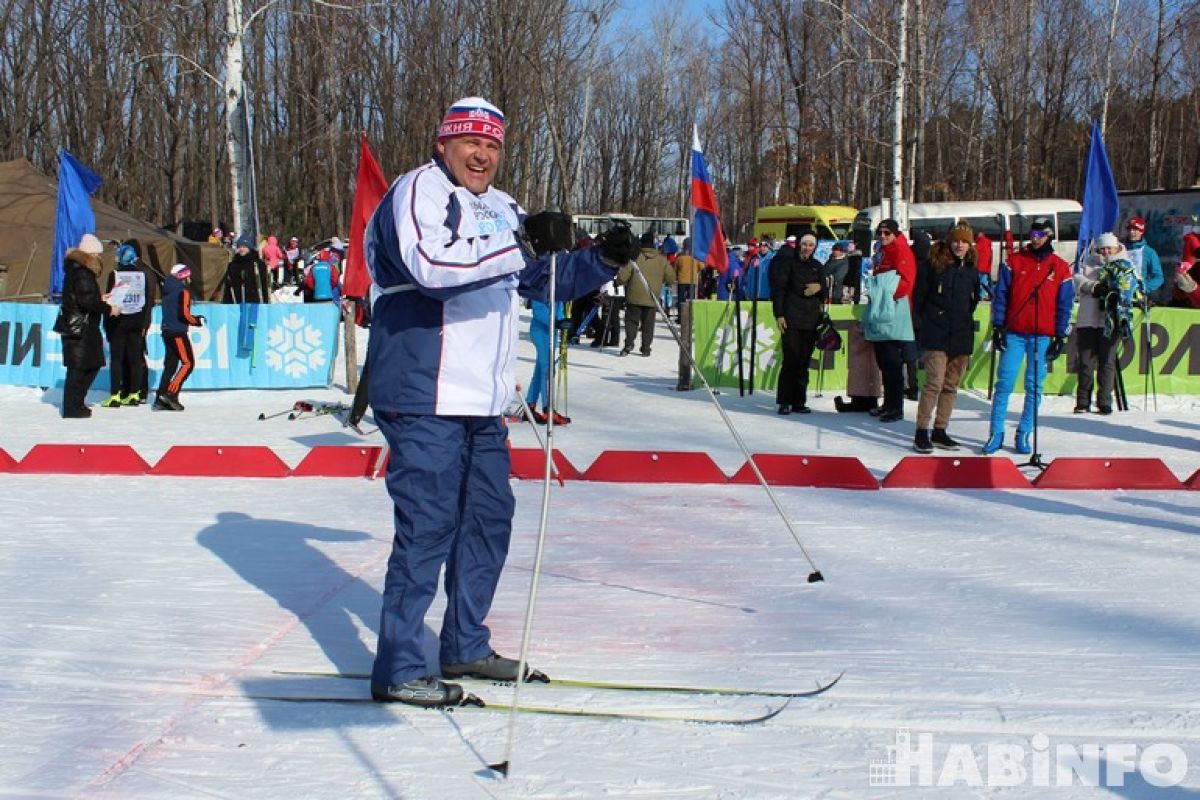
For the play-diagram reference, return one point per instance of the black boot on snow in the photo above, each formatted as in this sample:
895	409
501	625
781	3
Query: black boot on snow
428	692
942	439
493	667
921	443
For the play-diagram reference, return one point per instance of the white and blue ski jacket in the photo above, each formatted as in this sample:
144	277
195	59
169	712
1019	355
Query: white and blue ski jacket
447	270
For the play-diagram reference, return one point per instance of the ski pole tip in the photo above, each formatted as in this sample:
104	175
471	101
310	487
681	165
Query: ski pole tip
816	577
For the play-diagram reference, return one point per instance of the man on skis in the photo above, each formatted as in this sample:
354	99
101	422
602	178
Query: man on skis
449	261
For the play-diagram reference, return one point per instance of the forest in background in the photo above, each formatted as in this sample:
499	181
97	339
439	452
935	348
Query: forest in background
793	99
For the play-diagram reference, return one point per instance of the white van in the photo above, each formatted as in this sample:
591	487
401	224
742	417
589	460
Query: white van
990	217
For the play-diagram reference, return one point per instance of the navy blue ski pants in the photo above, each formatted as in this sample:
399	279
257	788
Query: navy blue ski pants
448	479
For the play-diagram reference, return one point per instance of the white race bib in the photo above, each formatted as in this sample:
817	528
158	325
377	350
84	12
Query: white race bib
128	292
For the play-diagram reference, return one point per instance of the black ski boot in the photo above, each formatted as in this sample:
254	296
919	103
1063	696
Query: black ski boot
428	692
492	667
942	439
921	443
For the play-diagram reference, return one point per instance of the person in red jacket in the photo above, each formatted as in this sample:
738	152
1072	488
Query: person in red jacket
1031	313
1188	274
889	354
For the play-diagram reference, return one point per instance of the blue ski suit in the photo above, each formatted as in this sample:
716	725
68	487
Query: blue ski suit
448	269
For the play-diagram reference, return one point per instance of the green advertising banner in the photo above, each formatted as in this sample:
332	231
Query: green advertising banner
1173	334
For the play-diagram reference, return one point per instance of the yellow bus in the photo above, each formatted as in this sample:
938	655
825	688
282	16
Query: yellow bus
824	222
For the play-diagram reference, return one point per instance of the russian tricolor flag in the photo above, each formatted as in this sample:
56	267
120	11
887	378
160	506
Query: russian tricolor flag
708	240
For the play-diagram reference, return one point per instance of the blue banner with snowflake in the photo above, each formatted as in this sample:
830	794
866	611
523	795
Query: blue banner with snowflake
291	345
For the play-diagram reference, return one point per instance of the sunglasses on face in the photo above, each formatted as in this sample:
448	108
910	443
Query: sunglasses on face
1037	234
887	233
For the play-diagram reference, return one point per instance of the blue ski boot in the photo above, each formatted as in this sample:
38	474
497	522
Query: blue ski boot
1022	443
994	443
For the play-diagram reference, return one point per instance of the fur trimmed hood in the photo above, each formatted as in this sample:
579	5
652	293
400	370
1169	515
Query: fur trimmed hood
92	262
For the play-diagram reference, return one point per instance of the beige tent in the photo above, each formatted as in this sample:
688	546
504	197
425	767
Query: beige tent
28	201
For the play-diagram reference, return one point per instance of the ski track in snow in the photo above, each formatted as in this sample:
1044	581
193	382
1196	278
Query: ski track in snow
138	612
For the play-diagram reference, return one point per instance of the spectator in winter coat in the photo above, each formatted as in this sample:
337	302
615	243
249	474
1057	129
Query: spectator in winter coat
729	284
133	288
247	279
944	300
448	266
797	299
837	267
753	268
176	317
983	260
896	256
294	262
640	308
1186	285
1097	363
82	309
1145	259
687	273
1188	272
274	257
322	280
1031	312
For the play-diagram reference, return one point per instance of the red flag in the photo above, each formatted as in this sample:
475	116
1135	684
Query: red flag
369	189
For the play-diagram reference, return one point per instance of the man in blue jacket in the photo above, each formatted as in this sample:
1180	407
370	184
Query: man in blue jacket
449	263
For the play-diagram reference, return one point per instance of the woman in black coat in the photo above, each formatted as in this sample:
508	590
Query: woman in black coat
944	300
797	298
83	355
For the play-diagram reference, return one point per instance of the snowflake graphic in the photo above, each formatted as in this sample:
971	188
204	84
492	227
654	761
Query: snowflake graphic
295	347
725	353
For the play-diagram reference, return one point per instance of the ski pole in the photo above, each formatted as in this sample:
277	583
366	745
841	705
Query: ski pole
1150	378
265	415
527	628
813	576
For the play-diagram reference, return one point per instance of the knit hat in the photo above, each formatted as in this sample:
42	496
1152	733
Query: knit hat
791	239
647	239
961	232
1137	224
181	271
90	244
1107	240
838	247
245	241
889	225
808	238
472	116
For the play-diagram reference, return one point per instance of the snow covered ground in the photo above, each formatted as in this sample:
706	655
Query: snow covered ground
138	614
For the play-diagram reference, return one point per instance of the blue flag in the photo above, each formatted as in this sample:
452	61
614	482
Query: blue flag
74	217
1101	207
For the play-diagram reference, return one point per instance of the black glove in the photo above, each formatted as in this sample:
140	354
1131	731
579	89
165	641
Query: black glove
1100	289
550	230
200	320
618	245
1056	347
999	339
